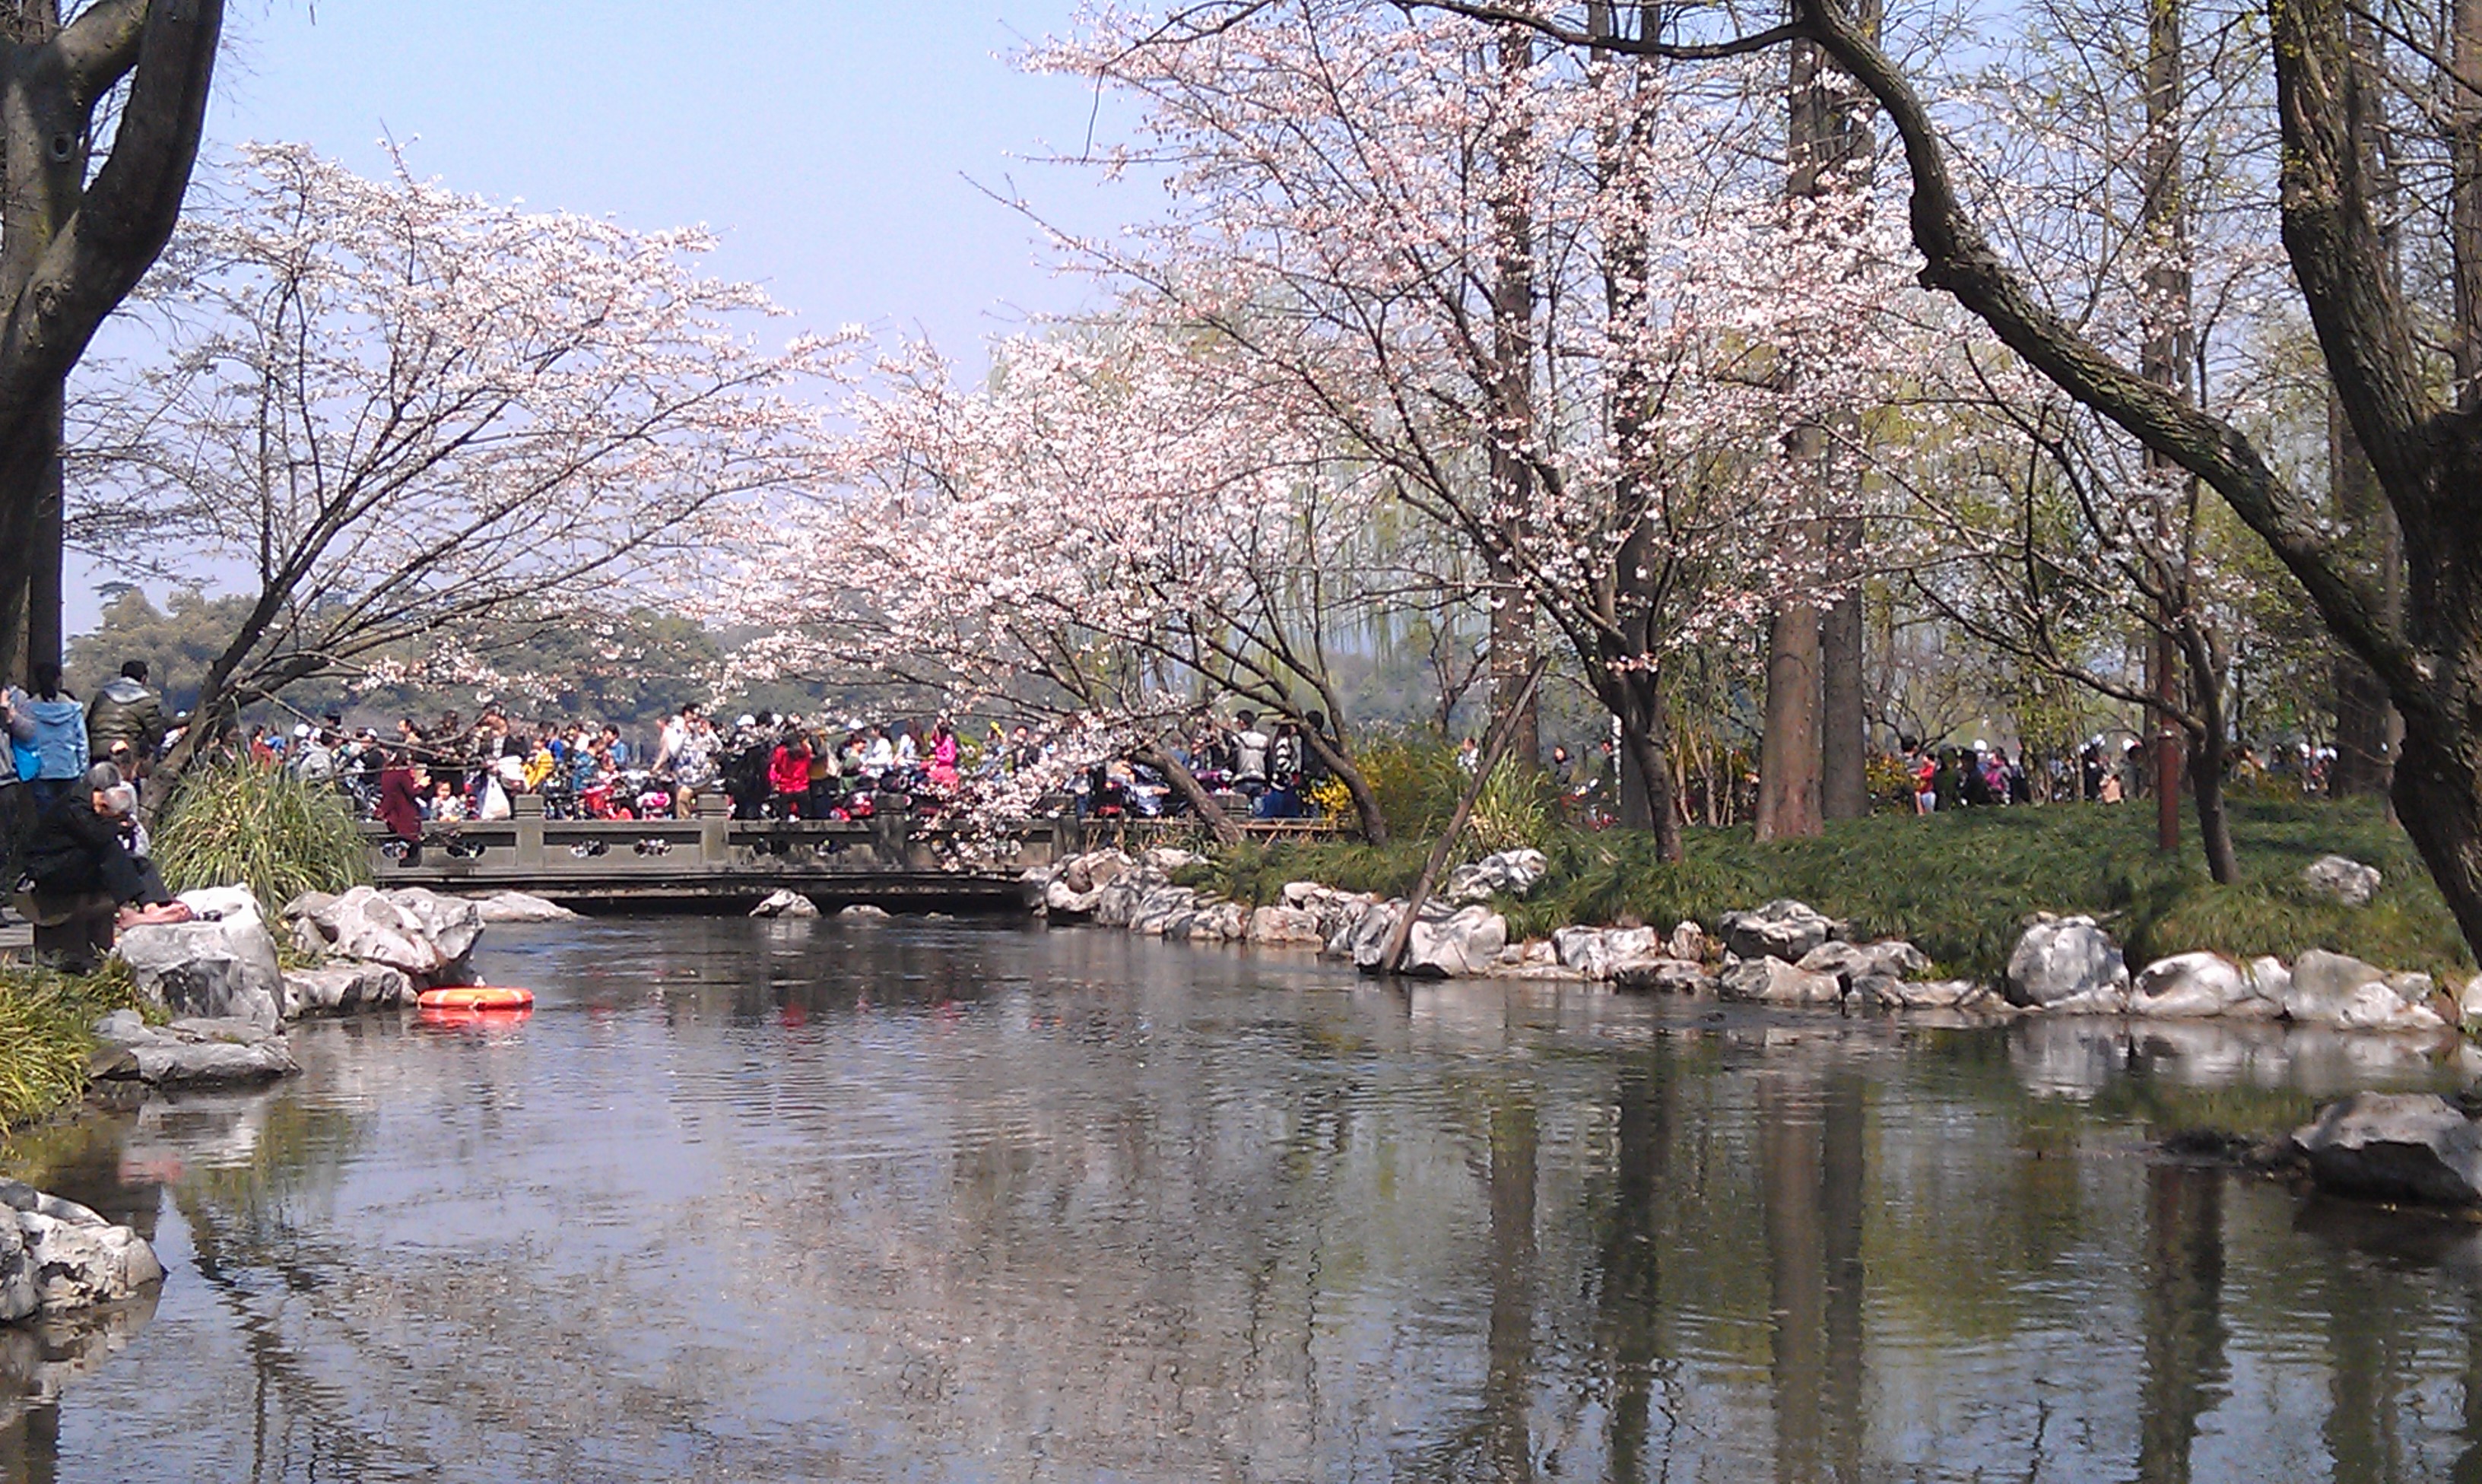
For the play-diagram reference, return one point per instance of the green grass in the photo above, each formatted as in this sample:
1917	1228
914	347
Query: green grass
44	1034
1959	885
259	825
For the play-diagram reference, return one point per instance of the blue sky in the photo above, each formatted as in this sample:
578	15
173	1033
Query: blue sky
833	142
840	147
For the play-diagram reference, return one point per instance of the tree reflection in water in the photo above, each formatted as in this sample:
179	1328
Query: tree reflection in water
953	1202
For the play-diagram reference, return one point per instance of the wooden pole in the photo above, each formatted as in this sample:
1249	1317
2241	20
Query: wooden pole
1503	731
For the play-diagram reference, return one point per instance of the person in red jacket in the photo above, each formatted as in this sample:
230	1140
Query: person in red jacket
401	788
788	774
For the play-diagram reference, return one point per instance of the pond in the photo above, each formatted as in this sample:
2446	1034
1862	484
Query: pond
958	1201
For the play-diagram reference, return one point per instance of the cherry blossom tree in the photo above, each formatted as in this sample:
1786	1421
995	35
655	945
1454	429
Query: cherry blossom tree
1344	179
1113	527
2358	95
411	415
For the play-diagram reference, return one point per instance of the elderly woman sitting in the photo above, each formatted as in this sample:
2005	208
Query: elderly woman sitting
78	852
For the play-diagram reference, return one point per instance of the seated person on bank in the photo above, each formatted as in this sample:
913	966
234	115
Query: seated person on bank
77	851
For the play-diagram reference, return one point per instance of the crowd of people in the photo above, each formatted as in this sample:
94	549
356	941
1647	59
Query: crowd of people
1248	768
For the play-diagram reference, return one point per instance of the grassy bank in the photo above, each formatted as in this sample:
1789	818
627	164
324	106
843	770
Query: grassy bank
1959	884
45	1038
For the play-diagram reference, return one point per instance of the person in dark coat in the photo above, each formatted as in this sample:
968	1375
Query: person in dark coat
401	785
77	848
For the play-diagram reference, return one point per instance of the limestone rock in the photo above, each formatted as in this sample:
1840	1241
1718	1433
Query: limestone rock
785	903
341	988
1887	992
2334	989
1770	980
1365	942
1783	928
1853	962
1335	911
73	1258
864	909
1510	872
1665	976
1116	900
1220	922
1597	953
1688	941
2343	880
419	931
519	907
1155	911
2189	986
199	1052
2394	1146
1167	860
1285	927
1062	901
2068	964
1456	945
224	904
223	969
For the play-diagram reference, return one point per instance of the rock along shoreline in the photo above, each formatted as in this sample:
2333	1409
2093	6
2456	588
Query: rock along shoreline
1782	952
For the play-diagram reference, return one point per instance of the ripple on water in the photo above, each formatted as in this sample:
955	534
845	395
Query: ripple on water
958	1201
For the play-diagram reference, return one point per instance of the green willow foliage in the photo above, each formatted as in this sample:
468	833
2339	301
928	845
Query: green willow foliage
259	825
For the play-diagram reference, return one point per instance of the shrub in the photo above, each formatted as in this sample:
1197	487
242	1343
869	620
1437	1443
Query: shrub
44	1034
261	827
1415	779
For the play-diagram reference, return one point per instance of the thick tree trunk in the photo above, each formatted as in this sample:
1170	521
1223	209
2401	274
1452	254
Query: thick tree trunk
1357	785
1789	752
1512	395
70	247
1844	767
1185	783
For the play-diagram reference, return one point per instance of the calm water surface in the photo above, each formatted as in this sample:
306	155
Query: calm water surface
921	1200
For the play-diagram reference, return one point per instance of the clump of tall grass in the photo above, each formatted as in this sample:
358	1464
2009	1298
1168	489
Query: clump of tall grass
46	1033
259	825
1510	812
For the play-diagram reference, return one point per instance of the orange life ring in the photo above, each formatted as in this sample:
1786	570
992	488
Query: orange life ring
476	997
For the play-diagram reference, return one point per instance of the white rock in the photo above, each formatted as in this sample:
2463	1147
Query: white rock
223	969
341	988
2069	965
1462	944
1597	952
1513	872
1688	941
75	1257
1060	899
419	931
1770	980
519	907
1783	928
2188	985
862	909
2343	880
785	903
224	904
2394	1146
1665	976
1157	910
1285	927
2336	989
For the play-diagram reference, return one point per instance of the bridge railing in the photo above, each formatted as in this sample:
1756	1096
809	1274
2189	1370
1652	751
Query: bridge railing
711	843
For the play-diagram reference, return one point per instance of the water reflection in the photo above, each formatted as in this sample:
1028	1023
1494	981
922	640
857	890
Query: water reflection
829	1200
